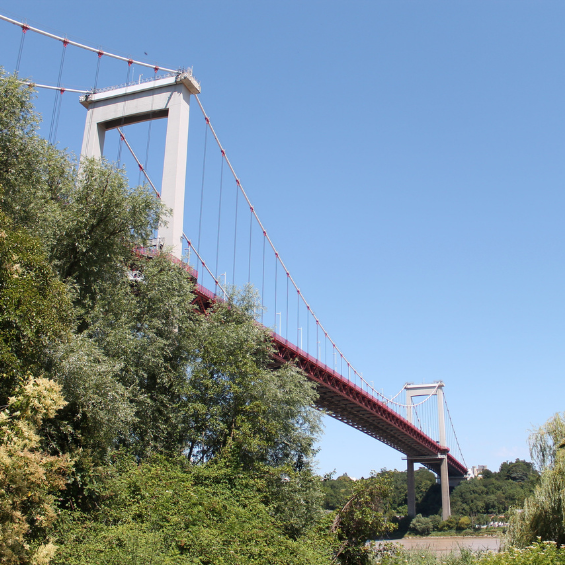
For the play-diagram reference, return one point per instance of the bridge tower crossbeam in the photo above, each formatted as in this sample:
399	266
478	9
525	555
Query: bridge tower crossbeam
167	97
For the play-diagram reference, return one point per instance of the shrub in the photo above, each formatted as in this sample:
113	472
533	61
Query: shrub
449	524
421	526
539	553
464	523
436	521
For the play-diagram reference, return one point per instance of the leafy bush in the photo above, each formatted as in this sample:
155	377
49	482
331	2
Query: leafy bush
173	512
421	526
464	523
401	556
539	553
449	524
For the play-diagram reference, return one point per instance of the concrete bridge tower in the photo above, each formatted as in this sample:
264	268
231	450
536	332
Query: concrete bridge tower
167	97
441	459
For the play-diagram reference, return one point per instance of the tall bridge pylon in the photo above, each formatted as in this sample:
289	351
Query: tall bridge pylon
167	97
440	460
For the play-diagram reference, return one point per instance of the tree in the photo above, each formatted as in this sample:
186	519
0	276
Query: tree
545	441
363	517
237	398
518	471
543	514
464	523
139	368
337	491
34	307
29	478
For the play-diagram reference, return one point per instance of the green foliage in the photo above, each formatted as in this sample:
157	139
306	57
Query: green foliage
337	491
237	398
172	512
464	523
436	521
449	524
495	493
99	221
545	440
397	555
141	370
146	330
34	307
539	553
29	478
363	517
543	515
519	471
421	526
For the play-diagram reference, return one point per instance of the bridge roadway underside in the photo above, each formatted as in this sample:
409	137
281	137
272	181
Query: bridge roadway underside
350	404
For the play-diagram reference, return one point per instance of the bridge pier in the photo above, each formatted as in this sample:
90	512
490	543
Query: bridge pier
439	465
411	488
444	481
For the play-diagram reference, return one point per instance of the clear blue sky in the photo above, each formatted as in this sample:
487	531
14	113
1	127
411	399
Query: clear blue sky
407	157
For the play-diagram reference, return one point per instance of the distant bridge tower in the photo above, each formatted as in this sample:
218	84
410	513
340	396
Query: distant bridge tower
439	462
167	97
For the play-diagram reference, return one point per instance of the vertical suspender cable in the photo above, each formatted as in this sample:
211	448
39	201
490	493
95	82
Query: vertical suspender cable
120	142
308	331
287	308
149	130
235	229
58	95
24	30
219	216
298	317
202	190
276	265
263	279
250	235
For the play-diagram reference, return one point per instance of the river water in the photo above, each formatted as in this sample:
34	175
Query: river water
447	544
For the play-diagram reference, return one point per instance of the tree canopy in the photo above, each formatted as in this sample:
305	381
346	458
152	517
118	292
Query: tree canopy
140	386
543	514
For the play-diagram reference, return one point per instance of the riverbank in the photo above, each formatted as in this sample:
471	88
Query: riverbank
447	544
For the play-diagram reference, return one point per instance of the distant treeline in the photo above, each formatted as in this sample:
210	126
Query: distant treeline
489	494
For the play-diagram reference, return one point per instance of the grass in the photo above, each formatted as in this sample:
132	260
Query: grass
540	553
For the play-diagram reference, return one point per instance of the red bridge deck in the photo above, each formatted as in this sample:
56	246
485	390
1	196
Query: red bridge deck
350	404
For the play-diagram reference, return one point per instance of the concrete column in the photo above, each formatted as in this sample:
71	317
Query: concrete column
411	488
445	501
94	137
174	169
441	417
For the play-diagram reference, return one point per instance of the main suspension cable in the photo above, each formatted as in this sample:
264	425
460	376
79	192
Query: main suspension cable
86	47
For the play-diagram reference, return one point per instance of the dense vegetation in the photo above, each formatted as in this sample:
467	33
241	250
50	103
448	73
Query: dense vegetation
478	499
134	429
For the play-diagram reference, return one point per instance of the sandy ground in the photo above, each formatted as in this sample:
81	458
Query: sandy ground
447	544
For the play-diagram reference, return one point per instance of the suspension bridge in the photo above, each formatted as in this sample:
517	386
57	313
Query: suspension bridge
225	238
